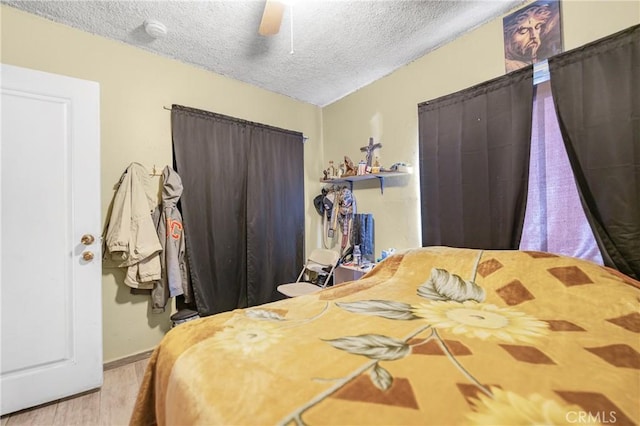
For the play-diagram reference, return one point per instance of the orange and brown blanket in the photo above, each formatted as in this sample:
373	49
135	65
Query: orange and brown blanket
437	335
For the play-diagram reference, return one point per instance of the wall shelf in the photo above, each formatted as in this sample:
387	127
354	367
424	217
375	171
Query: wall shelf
380	176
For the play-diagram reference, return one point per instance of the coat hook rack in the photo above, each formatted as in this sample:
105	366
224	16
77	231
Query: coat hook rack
154	172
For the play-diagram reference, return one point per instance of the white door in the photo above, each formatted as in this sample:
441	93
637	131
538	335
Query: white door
50	287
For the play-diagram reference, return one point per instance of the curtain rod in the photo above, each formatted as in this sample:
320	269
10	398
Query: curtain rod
304	137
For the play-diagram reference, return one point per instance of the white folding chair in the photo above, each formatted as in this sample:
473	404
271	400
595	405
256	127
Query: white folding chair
320	264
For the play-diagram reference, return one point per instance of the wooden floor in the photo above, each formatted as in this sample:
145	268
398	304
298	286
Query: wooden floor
111	405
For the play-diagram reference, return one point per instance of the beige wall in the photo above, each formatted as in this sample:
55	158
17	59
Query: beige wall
135	85
387	109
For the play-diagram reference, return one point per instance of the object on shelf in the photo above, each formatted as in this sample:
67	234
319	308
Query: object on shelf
330	172
349	168
362	168
369	150
333	171
401	167
376	166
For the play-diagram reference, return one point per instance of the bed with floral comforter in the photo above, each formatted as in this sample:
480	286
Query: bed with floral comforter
431	336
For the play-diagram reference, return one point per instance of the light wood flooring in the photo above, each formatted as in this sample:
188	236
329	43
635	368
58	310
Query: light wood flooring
111	405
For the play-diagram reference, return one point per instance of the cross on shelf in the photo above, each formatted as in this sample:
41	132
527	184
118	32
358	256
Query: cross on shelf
369	150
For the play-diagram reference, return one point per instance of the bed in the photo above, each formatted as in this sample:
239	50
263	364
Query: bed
431	336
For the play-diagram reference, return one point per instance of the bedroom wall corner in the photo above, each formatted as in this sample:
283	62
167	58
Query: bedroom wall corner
314	165
387	108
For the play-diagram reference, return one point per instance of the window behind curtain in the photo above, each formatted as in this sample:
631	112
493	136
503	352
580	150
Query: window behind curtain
474	153
554	220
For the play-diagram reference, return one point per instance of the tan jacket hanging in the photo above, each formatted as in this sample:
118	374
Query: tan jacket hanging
131	240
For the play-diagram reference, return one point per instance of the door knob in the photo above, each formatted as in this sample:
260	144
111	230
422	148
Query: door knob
87	255
87	239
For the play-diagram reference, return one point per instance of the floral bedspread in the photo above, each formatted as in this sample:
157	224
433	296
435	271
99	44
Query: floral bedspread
437	335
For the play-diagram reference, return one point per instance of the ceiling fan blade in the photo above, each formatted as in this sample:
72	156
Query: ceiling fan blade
271	18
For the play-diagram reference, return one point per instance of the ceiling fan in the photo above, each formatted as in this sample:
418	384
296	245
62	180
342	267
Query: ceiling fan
271	17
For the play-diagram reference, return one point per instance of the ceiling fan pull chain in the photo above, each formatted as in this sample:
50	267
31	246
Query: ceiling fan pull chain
291	26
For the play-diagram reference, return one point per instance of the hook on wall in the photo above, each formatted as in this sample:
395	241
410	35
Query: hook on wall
155	172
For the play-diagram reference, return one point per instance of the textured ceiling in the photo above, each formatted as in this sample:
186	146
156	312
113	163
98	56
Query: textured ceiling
338	46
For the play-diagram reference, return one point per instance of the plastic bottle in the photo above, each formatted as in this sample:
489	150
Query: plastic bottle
362	168
356	255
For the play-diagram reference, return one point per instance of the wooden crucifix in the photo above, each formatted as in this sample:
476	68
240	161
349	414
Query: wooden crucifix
369	150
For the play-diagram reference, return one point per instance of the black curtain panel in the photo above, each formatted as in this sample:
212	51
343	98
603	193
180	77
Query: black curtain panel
474	163
596	91
275	212
242	207
363	235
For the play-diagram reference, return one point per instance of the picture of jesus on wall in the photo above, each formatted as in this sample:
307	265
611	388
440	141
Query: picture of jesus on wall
532	34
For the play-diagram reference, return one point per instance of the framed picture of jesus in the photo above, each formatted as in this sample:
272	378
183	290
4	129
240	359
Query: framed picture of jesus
532	34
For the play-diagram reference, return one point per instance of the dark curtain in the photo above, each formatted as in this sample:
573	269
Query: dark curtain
242	207
364	235
474	163
275	212
596	90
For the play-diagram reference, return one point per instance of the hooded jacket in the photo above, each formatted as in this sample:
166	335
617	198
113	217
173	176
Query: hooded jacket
170	231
